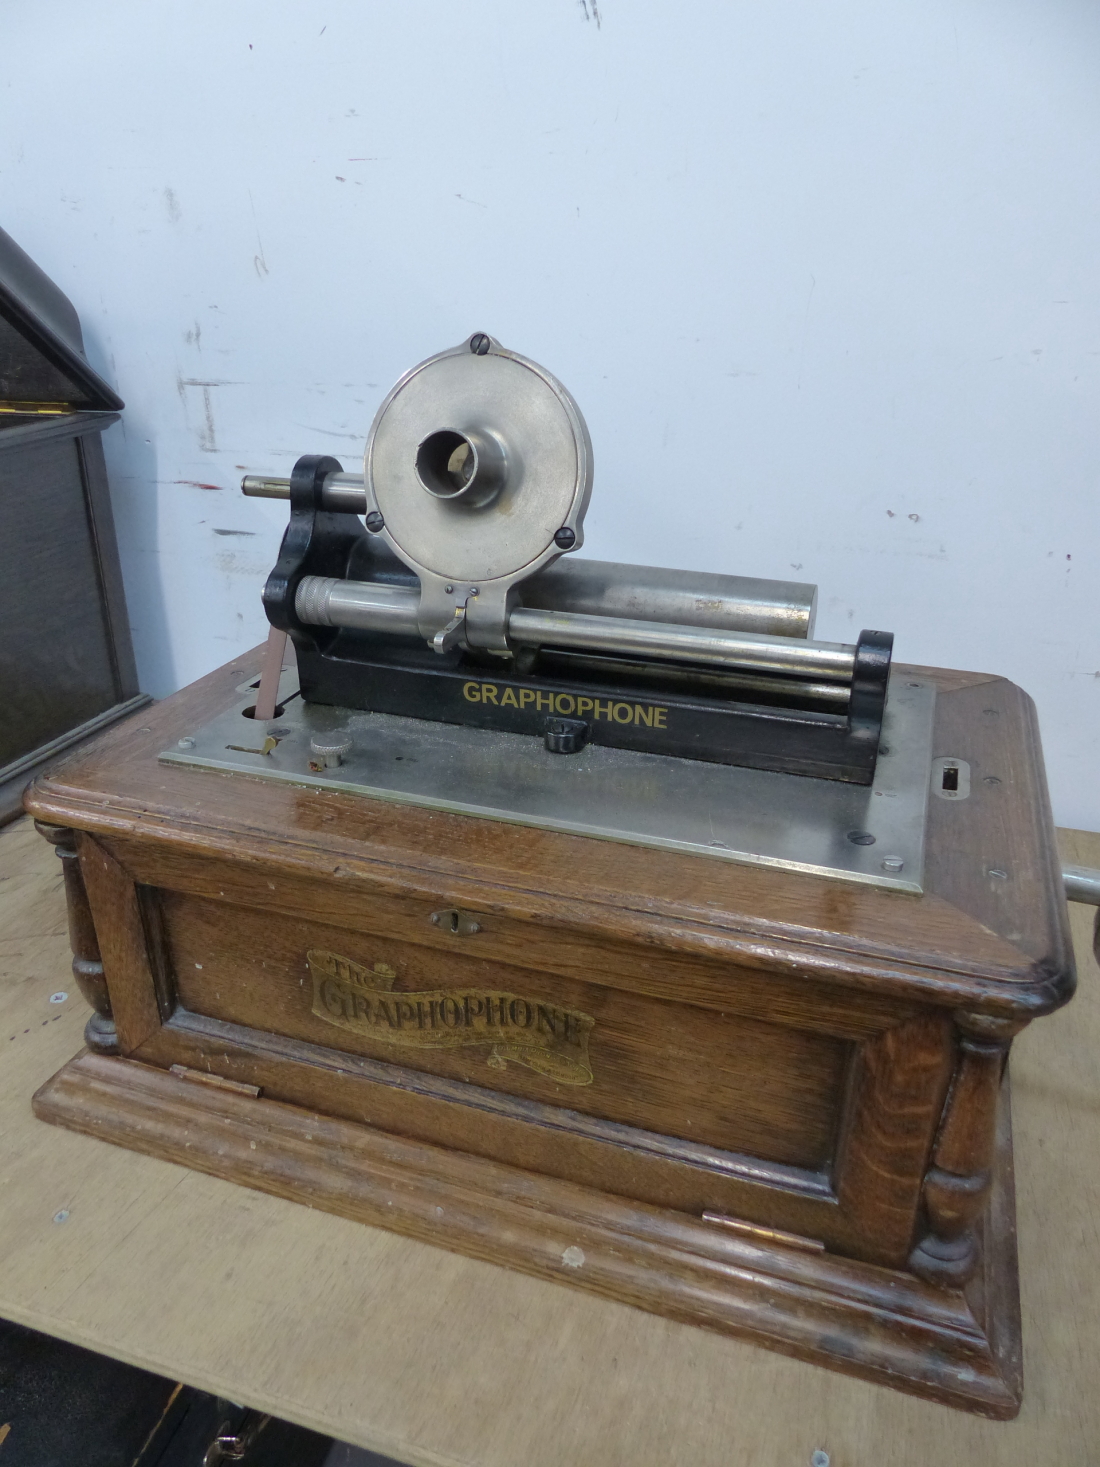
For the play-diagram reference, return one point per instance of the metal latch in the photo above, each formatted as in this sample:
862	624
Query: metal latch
457	922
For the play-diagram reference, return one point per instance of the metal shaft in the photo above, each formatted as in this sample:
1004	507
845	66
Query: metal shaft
325	601
630	592
690	598
341	492
830	661
1082	884
365	606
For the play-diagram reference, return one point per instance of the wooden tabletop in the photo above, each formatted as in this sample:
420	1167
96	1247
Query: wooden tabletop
436	1359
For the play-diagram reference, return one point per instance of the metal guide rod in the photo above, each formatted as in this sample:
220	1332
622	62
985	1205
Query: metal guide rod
325	601
830	661
1082	884
634	592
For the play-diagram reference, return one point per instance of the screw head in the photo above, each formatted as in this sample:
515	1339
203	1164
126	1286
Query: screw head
58	997
565	537
819	1459
62	1216
861	837
374	522
479	344
449	590
892	863
187	743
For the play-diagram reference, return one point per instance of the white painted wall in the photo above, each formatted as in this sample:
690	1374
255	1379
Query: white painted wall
822	274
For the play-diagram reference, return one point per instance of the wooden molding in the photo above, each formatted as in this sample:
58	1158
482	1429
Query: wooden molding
881	1324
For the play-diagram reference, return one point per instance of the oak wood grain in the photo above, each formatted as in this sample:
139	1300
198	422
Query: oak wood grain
653	969
899	1081
870	1322
123	943
87	966
775	1020
669	1066
339	1325
680	1175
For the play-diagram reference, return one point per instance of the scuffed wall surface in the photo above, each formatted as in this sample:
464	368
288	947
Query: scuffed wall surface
821	276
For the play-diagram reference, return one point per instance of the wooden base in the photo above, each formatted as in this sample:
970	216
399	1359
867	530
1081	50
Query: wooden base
961	1348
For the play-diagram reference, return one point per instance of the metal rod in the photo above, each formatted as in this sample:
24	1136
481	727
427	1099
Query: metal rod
632	592
690	598
326	601
722	682
342	492
1082	884
830	661
263	486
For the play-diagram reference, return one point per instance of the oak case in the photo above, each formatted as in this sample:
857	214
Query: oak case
796	1126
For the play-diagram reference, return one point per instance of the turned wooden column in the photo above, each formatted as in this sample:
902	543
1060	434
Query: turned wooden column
99	1032
957	1184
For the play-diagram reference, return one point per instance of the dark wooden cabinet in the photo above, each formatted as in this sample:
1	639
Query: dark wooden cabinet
66	662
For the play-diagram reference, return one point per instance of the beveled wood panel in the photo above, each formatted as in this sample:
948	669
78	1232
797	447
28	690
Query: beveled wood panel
652	968
996	852
742	1018
669	1067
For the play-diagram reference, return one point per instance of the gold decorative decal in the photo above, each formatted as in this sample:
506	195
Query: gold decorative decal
551	1040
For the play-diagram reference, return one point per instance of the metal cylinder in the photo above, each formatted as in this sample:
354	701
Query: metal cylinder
688	598
325	601
633	592
468	466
